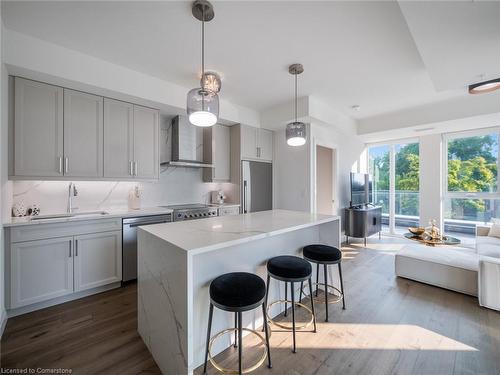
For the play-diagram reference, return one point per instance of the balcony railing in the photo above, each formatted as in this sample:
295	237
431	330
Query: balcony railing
407	212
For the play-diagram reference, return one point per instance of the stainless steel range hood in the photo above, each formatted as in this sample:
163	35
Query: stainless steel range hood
187	145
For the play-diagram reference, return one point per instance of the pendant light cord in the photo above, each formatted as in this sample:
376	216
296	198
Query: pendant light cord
203	43
295	96
203	57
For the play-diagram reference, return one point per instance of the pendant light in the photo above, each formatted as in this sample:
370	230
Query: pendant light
296	131
486	86
202	103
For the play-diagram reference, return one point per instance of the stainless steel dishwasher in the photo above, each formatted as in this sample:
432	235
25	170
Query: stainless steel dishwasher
129	242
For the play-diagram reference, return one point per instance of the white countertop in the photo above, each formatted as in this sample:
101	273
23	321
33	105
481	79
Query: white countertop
112	213
199	236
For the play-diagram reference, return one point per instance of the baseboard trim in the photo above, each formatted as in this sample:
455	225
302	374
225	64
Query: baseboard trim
3	322
57	301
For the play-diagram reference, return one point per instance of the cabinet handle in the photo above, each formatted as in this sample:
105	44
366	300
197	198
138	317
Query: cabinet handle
135	168
66	165
60	165
70	243
130	168
76	248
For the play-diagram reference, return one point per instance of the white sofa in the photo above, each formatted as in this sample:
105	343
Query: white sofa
471	271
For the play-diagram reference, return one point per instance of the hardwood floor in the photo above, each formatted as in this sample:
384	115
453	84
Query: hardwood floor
390	326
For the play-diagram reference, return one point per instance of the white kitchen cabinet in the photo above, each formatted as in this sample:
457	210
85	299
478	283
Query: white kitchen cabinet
41	270
51	262
265	144
256	143
38	129
248	136
97	259
65	134
216	148
146	143
83	134
118	139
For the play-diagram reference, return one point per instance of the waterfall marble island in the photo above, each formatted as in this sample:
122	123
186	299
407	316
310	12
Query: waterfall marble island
177	262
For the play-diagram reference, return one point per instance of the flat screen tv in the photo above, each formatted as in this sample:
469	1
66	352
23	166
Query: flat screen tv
358	189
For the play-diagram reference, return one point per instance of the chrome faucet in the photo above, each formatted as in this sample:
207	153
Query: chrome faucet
72	192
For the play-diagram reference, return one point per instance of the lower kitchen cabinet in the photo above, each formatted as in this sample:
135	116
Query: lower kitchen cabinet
54	263
97	260
41	270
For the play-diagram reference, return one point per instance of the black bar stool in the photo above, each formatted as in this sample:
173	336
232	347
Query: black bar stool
325	255
237	292
290	269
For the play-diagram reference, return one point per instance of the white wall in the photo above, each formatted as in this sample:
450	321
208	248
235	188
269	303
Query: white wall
294	167
431	170
292	174
349	154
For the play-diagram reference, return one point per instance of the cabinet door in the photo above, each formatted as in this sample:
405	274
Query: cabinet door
146	138
98	259
221	152
83	134
248	142
41	270
38	129
118	138
265	144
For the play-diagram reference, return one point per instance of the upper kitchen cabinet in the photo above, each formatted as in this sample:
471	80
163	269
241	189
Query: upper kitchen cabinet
83	134
38	129
60	133
265	144
256	143
216	148
146	143
118	139
131	141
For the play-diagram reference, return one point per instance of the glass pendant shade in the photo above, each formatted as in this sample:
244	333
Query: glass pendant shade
296	133
202	107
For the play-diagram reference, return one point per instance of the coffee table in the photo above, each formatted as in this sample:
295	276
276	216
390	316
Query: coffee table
446	240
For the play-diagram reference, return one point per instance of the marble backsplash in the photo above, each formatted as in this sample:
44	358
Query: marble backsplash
175	186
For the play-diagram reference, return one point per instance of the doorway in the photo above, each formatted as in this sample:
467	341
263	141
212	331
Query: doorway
326	175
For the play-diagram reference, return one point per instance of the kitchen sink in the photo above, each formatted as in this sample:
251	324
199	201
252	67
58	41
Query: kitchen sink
74	214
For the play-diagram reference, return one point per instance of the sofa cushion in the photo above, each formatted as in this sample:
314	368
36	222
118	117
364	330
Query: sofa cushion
488	246
447	267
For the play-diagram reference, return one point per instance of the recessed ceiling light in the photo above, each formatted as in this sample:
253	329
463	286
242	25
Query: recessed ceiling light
485	86
356	107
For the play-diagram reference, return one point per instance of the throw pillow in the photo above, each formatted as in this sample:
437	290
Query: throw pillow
494	231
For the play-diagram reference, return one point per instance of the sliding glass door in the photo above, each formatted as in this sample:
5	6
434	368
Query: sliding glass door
395	172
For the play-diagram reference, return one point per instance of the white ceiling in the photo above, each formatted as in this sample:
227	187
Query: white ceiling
353	52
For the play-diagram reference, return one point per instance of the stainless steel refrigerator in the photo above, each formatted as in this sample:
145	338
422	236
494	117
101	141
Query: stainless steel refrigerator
256	186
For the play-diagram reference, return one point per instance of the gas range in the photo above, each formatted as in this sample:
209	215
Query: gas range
184	212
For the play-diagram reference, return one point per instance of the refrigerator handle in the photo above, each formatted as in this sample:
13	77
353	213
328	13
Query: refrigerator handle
244	196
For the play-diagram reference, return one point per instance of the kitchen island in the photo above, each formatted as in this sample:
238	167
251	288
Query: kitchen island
177	262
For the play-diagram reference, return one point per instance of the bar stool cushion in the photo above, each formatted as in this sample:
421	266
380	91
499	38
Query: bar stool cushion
322	253
237	289
289	267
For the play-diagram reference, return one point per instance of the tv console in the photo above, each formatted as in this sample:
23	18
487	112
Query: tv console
363	221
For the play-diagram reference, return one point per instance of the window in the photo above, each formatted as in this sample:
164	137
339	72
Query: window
471	181
395	171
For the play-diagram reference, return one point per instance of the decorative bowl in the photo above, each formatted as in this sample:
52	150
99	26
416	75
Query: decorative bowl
418	231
